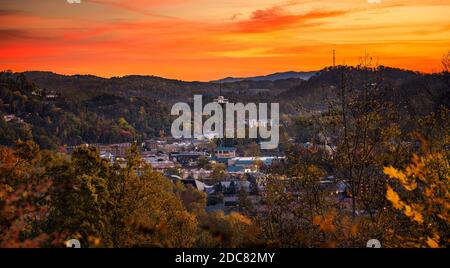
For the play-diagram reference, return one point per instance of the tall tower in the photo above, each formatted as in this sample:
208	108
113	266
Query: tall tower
334	58
222	102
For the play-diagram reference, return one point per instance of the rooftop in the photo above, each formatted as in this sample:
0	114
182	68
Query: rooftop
225	149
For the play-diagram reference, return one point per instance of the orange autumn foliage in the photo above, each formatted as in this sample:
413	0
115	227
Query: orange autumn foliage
425	184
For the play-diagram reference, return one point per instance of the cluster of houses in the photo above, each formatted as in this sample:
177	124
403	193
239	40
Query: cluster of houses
191	162
48	95
12	118
180	160
113	152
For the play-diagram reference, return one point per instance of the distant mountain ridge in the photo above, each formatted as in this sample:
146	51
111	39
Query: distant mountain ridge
270	77
83	87
91	109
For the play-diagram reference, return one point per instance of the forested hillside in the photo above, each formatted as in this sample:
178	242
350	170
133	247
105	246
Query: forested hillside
57	110
53	119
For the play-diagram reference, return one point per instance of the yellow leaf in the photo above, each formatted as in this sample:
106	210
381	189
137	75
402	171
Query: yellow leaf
431	243
392	196
391	172
241	218
417	213
354	230
401	177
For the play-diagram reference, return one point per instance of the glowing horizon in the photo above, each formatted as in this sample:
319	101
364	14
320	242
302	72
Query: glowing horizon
207	40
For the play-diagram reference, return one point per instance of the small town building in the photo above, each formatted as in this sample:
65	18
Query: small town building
225	152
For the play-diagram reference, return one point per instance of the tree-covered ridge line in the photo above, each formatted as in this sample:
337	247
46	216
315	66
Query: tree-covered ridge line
89	109
166	90
64	120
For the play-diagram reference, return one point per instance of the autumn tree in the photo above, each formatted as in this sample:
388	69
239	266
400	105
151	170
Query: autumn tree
148	212
253	149
203	162
24	198
244	202
367	135
294	201
192	199
217	230
47	198
446	62
279	224
83	204
218	172
420	192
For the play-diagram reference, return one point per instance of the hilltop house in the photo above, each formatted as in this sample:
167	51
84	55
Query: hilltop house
251	164
12	118
225	152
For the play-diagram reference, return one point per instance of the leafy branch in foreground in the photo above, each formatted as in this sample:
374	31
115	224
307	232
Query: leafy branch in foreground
423	196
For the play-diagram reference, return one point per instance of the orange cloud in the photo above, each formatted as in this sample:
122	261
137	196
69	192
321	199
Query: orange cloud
139	6
276	18
205	45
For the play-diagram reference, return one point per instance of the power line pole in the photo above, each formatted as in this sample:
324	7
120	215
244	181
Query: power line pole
334	58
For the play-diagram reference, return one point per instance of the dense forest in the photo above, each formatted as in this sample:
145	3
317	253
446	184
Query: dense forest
55	119
47	197
56	110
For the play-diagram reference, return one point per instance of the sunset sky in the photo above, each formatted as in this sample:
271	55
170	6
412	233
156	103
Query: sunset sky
211	39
